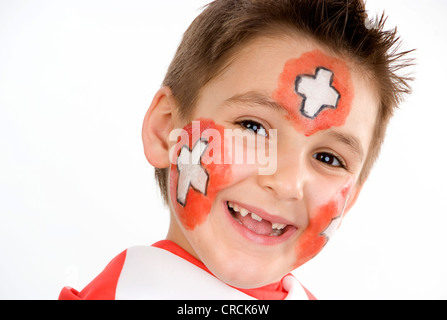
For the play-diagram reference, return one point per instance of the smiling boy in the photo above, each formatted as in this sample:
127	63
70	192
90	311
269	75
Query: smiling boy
309	84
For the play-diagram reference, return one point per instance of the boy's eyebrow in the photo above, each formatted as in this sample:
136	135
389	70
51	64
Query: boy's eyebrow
352	142
255	98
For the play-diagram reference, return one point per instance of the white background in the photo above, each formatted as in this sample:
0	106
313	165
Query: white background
76	78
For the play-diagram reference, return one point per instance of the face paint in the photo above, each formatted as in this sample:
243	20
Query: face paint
194	181
191	173
322	225
316	91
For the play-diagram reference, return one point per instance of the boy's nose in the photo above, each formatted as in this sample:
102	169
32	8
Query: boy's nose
288	181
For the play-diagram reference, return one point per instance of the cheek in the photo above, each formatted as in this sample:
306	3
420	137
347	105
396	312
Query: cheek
198	205
193	188
324	221
302	84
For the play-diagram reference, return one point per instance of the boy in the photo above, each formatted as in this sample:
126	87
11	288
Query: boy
269	120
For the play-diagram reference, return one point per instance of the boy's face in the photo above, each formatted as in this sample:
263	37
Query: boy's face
251	229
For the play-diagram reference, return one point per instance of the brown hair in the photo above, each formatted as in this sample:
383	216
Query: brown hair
340	25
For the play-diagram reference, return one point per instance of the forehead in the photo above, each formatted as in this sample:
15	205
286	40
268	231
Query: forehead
271	67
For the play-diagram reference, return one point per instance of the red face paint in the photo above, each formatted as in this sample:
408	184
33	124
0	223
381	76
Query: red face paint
197	205
310	66
324	221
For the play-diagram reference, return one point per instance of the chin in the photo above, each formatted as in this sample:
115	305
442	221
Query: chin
245	272
248	280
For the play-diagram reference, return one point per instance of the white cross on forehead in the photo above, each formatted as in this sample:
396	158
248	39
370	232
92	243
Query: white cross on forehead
317	92
190	171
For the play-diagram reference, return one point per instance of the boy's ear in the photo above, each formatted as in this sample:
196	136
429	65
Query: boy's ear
156	128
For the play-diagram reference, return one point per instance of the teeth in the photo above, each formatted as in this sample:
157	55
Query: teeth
278	226
244	212
275	233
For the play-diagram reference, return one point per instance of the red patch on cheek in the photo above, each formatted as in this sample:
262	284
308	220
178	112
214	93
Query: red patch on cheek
314	238
198	205
307	65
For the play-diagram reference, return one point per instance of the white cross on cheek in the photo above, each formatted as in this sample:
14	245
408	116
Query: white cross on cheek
317	92
190	171
331	228
334	224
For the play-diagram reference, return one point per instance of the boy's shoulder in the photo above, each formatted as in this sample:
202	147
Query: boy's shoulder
161	272
152	273
103	287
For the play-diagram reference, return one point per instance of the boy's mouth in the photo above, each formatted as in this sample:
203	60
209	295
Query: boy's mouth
255	223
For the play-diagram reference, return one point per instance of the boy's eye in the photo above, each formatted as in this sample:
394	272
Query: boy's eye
254	126
329	159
